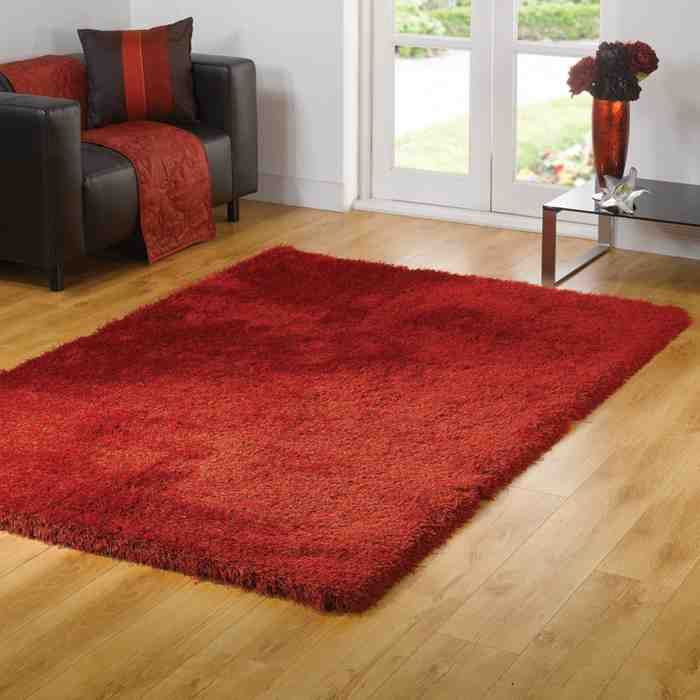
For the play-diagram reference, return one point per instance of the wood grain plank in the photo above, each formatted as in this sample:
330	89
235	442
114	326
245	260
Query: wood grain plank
664	544
581	648
666	663
15	551
515	603
349	657
417	677
44	582
475	671
133	661
34	654
249	654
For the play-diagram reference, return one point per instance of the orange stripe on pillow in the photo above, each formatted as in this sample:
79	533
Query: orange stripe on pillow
157	73
134	76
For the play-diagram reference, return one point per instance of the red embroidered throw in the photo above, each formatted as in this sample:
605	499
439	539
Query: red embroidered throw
174	182
171	164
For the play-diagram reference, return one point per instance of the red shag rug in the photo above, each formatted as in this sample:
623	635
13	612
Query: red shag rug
306	426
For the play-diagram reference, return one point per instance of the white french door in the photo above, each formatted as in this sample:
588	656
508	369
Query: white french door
426	84
476	114
541	136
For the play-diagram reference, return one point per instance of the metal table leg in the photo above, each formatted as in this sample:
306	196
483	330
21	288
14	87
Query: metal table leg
549	247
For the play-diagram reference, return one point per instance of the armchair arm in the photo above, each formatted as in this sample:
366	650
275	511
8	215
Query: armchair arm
40	180
226	93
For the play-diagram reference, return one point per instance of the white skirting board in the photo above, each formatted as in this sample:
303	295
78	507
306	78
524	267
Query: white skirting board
300	192
474	218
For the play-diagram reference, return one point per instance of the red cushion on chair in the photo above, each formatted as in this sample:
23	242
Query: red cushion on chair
139	75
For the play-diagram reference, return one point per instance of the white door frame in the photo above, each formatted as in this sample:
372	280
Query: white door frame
366	58
511	196
470	191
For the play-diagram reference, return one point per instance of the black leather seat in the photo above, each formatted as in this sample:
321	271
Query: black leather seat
110	191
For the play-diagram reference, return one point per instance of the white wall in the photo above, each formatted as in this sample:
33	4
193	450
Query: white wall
665	141
302	68
35	27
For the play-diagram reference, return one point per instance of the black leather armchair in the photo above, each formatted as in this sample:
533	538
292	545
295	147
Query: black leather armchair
60	197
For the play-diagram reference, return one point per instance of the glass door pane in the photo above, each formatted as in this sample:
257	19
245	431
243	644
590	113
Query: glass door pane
554	144
543	141
432	110
432	65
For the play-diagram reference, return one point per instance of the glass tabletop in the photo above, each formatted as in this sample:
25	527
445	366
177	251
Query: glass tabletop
669	203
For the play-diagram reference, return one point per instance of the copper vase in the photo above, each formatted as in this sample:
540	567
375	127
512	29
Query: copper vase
611	137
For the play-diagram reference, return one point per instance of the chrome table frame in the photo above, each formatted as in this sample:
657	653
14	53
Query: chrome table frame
606	242
668	203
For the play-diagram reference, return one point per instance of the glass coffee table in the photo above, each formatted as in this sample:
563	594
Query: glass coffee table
668	203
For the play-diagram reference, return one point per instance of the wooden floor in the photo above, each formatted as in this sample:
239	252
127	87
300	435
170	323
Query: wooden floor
582	580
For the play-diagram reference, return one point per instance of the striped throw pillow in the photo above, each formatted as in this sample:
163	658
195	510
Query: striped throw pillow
139	74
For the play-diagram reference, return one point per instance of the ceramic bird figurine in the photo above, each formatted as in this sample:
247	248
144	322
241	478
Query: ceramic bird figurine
620	193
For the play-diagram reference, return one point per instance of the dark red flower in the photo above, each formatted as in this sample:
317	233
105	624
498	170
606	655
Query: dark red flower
642	58
582	75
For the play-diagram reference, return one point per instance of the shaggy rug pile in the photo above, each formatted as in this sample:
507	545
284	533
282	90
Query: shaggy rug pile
306	426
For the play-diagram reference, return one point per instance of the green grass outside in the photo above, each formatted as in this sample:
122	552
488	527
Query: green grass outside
442	147
542	128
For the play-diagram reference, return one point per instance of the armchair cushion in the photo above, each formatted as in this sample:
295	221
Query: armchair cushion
139	75
110	188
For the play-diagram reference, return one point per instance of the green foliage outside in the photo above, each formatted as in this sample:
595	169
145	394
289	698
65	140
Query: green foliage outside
560	20
553	140
539	20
